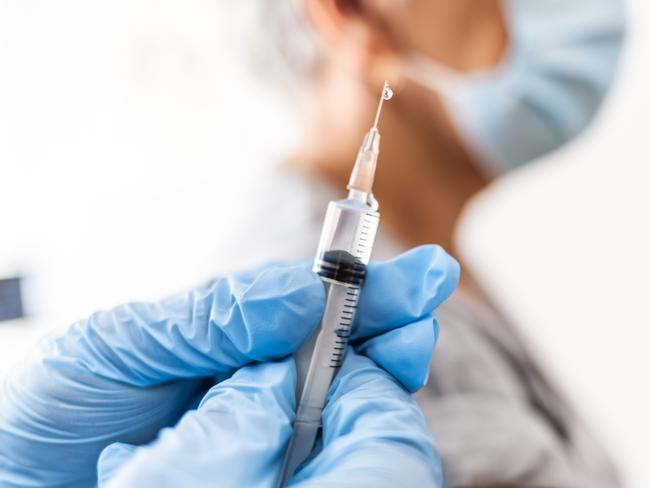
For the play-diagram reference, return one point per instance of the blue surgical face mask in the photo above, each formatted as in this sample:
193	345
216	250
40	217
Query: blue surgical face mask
560	62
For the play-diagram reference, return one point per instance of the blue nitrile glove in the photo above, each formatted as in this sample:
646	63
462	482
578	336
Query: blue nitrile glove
374	435
123	375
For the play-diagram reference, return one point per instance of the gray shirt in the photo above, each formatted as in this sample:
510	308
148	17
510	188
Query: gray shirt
495	416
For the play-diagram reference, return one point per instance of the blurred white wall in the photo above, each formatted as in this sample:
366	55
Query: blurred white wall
126	127
128	130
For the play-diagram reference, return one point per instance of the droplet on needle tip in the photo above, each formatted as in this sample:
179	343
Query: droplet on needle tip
386	94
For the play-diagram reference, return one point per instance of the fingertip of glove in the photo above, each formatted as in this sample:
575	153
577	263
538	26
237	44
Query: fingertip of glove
111	459
427	275
262	393
280	308
453	277
439	272
405	352
404	289
269	379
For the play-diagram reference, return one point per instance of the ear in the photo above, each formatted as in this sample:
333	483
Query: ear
352	38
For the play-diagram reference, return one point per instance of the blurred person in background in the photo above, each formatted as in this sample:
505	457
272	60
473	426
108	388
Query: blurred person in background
482	86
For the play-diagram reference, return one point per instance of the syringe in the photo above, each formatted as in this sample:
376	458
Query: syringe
343	253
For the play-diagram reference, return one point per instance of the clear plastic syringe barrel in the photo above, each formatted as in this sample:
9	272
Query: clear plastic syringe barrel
343	253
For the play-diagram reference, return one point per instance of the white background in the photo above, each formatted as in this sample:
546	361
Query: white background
129	130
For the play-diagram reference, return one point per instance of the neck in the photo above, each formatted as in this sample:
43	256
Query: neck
424	176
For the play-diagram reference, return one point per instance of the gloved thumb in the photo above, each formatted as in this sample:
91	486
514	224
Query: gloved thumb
111	460
237	434
405	352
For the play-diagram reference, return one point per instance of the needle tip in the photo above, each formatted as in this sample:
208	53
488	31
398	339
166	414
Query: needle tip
386	94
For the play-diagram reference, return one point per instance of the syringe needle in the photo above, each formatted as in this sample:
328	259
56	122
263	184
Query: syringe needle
363	173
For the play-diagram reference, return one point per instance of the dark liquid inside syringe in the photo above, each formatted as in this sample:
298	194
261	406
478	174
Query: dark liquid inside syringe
341	266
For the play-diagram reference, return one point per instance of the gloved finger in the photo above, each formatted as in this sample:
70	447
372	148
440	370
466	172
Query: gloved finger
111	459
253	316
405	289
51	409
235	438
405	352
374	434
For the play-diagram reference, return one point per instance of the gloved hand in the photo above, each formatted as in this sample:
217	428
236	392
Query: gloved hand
374	435
122	375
